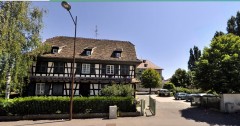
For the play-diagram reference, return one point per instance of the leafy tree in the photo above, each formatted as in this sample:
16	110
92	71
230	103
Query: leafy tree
195	54
19	34
191	82
151	79
219	67
218	33
180	78
231	25
237	29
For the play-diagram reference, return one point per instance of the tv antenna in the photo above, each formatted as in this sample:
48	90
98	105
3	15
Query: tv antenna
96	31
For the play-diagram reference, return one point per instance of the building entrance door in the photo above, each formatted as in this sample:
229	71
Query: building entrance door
84	89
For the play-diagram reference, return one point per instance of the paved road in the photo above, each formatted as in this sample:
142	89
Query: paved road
169	113
179	112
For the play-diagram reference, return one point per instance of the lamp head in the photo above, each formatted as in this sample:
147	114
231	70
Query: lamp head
66	5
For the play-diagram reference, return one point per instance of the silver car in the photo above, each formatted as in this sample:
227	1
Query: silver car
180	95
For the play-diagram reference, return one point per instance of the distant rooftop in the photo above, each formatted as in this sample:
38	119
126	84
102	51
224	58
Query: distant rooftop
148	64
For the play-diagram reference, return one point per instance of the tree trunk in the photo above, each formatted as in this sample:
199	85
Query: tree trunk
150	90
7	92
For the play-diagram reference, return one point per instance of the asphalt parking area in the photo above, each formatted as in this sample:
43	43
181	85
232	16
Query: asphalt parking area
182	112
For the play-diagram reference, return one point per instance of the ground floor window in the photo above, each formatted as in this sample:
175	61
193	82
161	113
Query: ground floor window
40	88
57	89
64	89
95	89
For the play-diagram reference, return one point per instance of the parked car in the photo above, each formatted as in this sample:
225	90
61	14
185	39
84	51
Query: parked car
189	97
197	99
164	92
180	95
205	94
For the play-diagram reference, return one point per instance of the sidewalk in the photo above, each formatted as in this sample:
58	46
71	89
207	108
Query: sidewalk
164	117
170	112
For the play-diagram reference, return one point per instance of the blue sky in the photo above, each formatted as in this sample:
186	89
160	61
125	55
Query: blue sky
162	32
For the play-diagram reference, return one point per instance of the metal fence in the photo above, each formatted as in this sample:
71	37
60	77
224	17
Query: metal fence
152	105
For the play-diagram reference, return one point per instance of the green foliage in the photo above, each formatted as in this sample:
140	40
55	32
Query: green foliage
151	79
169	86
195	54
186	90
218	33
181	89
19	34
55	105
219	67
117	90
181	78
233	24
212	92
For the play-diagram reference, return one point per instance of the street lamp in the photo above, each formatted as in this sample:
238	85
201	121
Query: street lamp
68	7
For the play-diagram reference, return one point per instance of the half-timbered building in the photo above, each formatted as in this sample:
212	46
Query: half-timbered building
98	63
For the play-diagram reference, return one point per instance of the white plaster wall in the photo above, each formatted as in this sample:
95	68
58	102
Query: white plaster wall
230	98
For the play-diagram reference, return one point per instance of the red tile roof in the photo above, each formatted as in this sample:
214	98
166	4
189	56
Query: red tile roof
149	65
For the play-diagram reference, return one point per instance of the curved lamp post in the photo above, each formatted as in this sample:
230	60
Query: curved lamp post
68	7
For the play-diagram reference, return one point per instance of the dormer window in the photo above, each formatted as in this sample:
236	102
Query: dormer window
117	52
55	49
88	51
145	65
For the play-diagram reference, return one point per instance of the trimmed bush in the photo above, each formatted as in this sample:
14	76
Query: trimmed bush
186	90
117	90
2	104
181	89
55	105
169	86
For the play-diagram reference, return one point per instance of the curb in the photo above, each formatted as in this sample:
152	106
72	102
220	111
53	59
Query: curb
66	116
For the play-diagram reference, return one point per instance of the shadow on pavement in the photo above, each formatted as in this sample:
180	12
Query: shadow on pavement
211	117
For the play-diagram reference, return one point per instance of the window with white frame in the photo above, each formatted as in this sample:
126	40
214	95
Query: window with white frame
85	68
110	69
40	88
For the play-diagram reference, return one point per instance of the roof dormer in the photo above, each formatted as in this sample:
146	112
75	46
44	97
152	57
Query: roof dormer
55	49
145	65
88	51
117	52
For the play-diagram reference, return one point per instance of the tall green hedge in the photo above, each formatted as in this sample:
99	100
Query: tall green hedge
53	105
